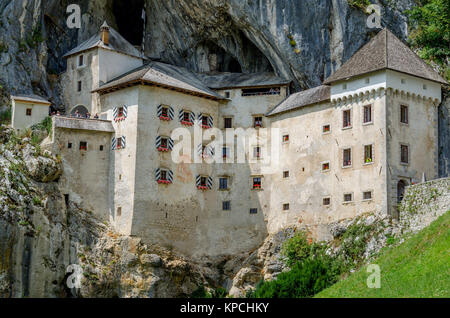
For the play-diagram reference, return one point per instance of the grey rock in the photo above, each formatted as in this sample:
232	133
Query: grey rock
151	260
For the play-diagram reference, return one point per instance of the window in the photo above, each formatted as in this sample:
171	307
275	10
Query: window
257	183
186	117
348	197
344	86
367	195
326	166
102	148
346	119
223	183
69	145
368	154
79	86
286	207
367	80
257	152
286	138
347	157
253	211
261	91
367	118
326	201
205	123
119	143
227	94
404	156
80	60
228	123
226	205
203	181
163	176
29	111
326	129
286	174
424	86
404	114
403	81
257	122
119	212
225	152
165	112
83	145
120	113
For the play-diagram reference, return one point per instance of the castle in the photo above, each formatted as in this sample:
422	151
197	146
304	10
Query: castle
345	148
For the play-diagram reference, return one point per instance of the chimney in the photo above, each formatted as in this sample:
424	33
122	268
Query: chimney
104	31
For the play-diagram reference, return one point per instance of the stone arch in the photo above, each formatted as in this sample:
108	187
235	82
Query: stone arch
81	109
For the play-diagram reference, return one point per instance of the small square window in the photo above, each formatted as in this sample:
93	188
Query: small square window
102	148
119	143
286	207
187	116
326	166
404	114
253	211
404	154
368	154
83	145
258	122
165	112
257	183
367	195
223	183
347	157
286	138
120	113
226	205
367	114
326	201
346	119
286	174
326	129
79	86
228	123
69	145
348	197
227	94
403	81
119	212
29	111
424	86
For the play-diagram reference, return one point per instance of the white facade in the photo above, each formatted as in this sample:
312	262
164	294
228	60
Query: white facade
27	112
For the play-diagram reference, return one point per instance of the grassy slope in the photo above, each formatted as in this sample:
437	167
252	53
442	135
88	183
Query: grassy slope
419	267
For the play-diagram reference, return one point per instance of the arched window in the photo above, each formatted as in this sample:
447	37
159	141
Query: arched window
82	110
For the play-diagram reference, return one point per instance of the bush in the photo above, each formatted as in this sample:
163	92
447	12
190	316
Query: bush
298	248
305	279
5	117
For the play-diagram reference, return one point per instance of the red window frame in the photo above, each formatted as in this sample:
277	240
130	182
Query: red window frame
346	162
346	118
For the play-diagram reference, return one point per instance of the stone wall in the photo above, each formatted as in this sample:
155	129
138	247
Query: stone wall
423	203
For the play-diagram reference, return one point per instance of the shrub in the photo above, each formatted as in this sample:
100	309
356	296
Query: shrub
5	117
305	279
298	249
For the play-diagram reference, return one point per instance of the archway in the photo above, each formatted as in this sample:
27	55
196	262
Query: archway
401	186
82	110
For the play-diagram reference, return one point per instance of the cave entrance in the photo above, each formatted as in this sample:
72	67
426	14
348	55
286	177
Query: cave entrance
213	58
129	20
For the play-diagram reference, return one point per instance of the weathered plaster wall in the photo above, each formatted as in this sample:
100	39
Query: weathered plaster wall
85	175
19	118
421	137
309	147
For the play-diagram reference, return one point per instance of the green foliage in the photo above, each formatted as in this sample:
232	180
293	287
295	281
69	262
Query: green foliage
360	4
431	31
305	279
201	292
5	117
298	249
417	268
37	201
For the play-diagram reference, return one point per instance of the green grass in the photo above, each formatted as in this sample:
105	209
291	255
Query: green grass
419	268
